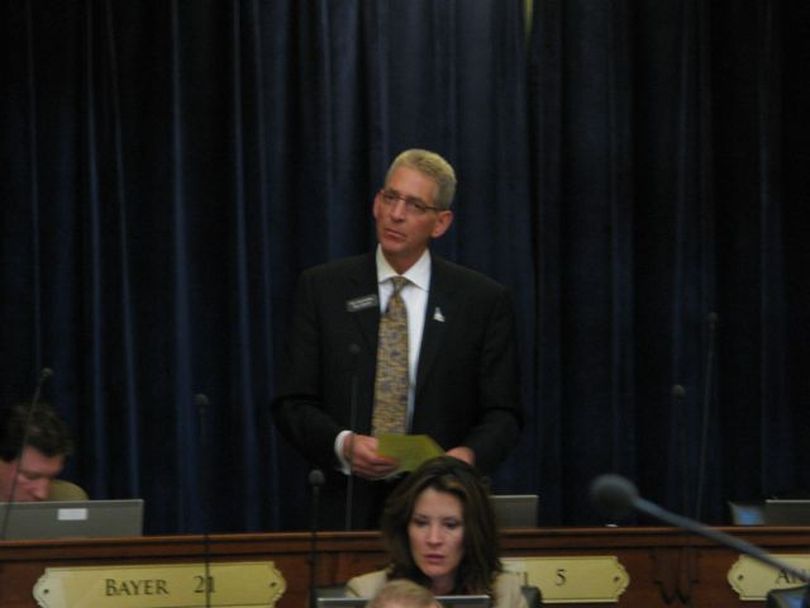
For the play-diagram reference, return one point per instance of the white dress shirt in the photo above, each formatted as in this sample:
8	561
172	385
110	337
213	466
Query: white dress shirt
415	295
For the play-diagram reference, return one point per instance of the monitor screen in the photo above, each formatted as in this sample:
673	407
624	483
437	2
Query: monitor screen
515	510
787	512
74	519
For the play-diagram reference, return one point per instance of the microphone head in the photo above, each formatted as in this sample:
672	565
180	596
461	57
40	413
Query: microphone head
613	495
46	373
316	478
354	349
200	400
678	392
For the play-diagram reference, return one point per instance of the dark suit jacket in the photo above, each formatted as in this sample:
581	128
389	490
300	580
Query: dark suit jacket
467	388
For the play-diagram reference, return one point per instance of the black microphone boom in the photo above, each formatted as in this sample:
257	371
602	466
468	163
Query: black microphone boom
616	496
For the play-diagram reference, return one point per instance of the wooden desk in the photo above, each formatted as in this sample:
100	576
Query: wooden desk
666	567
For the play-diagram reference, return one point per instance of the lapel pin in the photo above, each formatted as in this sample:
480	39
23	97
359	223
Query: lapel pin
437	315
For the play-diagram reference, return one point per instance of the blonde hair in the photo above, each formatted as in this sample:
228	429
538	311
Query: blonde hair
403	593
432	165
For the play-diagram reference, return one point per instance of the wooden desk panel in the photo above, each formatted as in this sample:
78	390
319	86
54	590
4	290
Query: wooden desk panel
666	567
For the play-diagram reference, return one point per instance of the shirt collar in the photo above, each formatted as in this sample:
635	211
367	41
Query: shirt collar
418	274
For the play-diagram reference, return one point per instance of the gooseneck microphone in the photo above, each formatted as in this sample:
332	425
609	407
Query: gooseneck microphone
316	480
44	375
201	401
354	351
616	496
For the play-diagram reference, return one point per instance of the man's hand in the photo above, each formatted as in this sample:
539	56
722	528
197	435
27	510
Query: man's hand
361	451
462	453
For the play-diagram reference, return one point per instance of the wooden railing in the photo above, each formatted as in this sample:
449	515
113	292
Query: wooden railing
666	567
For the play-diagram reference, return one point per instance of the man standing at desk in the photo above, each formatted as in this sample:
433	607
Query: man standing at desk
398	341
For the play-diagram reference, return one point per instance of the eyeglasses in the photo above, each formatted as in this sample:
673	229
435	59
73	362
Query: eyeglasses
413	205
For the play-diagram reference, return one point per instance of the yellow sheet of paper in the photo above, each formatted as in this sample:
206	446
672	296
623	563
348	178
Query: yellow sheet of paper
410	450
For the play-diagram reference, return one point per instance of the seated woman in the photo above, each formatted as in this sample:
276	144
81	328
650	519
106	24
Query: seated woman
439	529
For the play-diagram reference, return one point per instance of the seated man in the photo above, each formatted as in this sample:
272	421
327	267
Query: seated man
28	472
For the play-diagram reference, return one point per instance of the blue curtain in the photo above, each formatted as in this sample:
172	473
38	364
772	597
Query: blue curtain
634	172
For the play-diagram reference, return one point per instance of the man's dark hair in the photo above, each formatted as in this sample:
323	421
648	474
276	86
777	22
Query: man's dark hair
46	431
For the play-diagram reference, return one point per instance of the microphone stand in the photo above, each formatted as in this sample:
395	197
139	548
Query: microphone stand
202	403
354	350
316	480
678	393
712	320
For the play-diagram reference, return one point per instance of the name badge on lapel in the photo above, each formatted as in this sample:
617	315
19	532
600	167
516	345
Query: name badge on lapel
363	302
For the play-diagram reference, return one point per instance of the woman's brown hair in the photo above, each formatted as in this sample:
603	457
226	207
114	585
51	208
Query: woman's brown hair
480	562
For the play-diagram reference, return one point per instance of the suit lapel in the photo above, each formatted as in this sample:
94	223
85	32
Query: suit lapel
362	302
439	314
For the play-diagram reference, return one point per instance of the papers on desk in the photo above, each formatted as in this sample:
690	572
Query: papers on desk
410	450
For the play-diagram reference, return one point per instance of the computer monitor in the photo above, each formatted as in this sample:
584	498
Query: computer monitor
447	601
786	598
515	510
787	512
74	519
747	513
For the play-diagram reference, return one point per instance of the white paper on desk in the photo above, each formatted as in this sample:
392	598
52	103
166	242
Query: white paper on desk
410	450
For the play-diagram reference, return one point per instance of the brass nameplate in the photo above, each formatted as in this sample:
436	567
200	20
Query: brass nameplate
752	579
570	580
232	584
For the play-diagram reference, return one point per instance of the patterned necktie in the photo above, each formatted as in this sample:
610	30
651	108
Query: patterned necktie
391	384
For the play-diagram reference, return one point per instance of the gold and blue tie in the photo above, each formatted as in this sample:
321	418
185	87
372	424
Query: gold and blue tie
392	379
